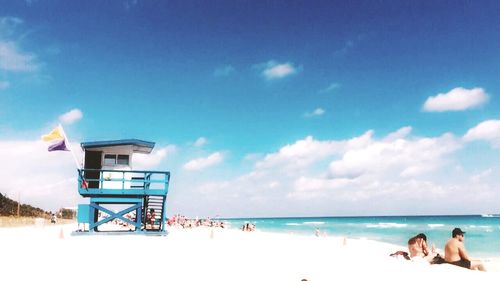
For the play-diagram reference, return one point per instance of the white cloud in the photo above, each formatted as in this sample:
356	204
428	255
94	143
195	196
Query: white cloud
129	4
29	3
487	130
225	70
146	161
482	175
330	88
274	70
201	141
48	179
317	112
41	178
4	85
307	151
399	134
301	153
8	26
397	173
349	44
457	99
204	162
253	157
310	184
321	177
11	59
71	116
397	157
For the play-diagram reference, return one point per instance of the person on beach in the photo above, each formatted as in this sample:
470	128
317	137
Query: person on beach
418	249
151	217
53	218
455	253
245	227
417	246
423	241
248	227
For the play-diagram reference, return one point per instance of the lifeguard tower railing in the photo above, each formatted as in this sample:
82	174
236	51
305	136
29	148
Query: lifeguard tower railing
140	191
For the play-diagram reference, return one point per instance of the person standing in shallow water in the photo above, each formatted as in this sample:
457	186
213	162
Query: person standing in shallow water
455	253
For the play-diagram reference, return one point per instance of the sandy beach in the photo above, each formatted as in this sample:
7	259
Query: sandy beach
52	253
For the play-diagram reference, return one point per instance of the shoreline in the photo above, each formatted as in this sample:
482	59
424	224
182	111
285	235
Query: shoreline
481	242
211	254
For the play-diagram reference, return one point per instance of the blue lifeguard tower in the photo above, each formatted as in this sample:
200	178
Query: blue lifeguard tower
121	199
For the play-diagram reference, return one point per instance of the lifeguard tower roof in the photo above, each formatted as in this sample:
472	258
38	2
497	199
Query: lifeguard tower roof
138	146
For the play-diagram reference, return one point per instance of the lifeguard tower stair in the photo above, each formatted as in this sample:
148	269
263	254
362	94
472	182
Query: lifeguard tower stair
121	199
155	203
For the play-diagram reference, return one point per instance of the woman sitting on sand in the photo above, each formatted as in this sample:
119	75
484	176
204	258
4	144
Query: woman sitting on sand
417	246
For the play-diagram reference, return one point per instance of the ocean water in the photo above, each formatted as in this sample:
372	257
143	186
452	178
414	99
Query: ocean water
482	238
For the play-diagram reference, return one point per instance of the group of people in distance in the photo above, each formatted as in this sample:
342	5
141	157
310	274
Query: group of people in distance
184	222
454	251
248	227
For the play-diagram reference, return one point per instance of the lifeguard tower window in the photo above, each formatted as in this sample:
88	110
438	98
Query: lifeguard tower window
122	159
113	159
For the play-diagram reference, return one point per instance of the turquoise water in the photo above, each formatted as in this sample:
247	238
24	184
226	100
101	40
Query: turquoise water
482	238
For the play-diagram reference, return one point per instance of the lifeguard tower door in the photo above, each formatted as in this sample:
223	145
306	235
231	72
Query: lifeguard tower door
93	161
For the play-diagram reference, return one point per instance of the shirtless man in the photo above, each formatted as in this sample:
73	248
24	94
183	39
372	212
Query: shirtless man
454	252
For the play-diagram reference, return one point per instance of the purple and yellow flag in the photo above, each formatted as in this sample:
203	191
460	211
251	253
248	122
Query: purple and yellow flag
60	145
56	137
53	135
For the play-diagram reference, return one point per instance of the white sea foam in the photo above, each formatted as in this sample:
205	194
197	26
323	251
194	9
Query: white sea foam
293	223
435	225
314	222
487	228
490	216
386	225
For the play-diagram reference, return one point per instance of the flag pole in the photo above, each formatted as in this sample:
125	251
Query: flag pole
70	148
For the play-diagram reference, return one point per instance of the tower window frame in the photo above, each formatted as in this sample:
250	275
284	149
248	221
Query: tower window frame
116	160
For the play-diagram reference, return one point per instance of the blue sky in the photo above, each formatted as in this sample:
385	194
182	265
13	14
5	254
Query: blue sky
280	108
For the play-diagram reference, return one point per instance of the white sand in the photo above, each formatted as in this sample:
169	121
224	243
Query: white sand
39	253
